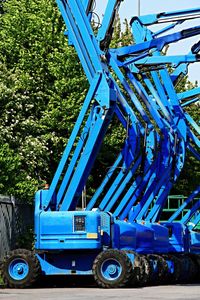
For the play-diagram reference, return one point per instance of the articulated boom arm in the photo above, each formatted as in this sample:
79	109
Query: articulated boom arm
175	16
190	212
158	130
77	19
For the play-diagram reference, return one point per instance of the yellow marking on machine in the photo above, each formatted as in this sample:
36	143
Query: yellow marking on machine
92	235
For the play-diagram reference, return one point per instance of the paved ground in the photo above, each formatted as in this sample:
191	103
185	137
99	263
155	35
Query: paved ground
178	292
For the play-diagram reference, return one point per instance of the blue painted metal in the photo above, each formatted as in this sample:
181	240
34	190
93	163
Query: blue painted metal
173	16
124	211
184	205
70	263
195	221
18	269
183	238
107	26
111	269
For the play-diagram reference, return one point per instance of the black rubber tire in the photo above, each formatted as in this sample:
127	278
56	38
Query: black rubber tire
183	268
176	275
33	264
126	274
147	270
162	269
138	270
192	269
142	271
196	259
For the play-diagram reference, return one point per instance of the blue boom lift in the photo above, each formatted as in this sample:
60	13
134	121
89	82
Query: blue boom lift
183	238
116	237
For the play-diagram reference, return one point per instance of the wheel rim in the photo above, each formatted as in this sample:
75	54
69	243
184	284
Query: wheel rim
18	269
111	269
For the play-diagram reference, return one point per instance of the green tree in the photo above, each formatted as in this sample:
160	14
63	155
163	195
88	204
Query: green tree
41	90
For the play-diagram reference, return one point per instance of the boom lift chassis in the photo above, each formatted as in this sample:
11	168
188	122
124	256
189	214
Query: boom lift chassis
118	237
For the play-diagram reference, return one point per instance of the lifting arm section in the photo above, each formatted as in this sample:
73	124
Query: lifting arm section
191	213
106	29
195	222
174	16
184	205
100	115
153	153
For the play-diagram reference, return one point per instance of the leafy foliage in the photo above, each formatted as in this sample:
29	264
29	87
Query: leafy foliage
41	90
